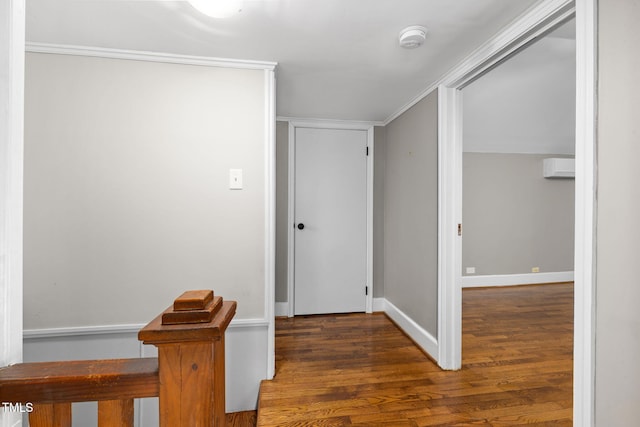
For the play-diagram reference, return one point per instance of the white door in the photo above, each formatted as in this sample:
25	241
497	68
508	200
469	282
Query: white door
330	221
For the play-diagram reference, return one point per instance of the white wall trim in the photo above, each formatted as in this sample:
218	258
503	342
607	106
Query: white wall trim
535	23
270	217
516	279
249	323
331	123
370	176
449	218
12	33
132	328
282	309
291	218
79	331
585	221
328	124
134	55
417	333
379	304
504	44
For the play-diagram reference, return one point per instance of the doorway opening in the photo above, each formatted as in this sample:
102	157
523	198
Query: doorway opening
351	144
518	217
518	36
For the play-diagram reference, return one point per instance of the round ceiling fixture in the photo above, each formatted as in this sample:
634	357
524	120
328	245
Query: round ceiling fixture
412	37
217	8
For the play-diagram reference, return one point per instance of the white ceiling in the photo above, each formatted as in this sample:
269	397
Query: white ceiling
337	59
527	104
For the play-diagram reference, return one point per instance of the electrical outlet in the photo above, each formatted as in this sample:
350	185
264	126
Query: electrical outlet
471	270
535	269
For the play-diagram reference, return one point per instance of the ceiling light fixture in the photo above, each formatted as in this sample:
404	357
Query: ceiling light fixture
217	8
412	37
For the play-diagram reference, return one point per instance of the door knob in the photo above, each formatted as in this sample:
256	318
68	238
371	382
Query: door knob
301	226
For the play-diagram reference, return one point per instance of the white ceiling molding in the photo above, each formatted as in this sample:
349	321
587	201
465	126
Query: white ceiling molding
356	71
148	56
466	71
329	123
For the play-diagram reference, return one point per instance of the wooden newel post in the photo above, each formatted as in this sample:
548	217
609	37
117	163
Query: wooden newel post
190	340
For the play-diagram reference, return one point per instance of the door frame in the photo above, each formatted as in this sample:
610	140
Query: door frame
12	56
540	20
326	124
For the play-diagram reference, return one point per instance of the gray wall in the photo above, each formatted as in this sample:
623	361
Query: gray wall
618	233
513	218
282	209
411	213
526	104
126	188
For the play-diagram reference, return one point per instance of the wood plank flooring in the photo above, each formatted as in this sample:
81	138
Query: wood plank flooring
361	370
241	419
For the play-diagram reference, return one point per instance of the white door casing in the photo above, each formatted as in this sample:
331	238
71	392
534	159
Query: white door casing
536	23
542	19
12	42
354	292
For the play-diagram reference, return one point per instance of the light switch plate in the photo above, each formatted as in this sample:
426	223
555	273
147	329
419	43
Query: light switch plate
235	179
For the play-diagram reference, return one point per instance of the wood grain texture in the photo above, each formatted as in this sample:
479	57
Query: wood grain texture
115	413
362	370
188	376
157	333
171	316
186	384
192	384
79	380
191	367
193	300
48	415
242	419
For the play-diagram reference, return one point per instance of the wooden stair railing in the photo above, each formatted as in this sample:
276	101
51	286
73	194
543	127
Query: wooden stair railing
188	376
52	386
190	340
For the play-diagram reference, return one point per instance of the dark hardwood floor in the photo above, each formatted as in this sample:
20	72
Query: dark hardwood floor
362	370
242	419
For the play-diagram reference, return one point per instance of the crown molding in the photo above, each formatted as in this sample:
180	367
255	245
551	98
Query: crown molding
504	44
329	123
134	55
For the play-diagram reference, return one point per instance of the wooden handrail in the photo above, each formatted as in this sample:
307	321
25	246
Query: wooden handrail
187	376
79	380
52	386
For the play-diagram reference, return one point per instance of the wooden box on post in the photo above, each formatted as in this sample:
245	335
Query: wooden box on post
189	336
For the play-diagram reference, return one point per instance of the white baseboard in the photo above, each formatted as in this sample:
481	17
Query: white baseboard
516	279
417	333
282	309
379	304
246	343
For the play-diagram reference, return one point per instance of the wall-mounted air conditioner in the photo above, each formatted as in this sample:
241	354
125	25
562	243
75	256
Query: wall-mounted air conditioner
559	168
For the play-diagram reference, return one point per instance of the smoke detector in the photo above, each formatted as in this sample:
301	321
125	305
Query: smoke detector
412	37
